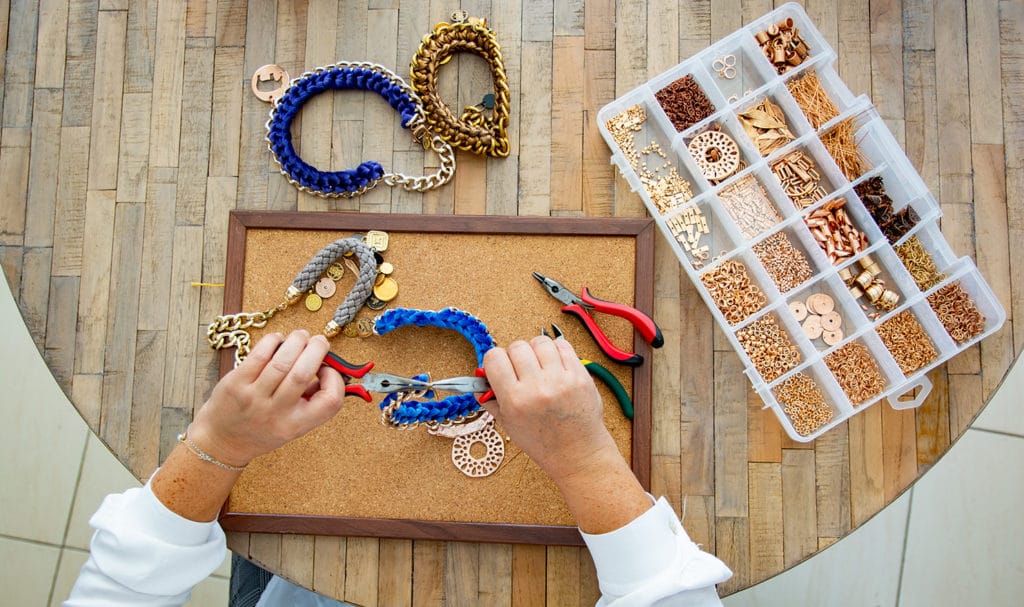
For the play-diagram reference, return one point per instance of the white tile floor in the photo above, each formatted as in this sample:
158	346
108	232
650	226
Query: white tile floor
954	539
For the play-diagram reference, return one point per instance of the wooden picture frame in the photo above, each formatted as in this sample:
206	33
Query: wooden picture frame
640	231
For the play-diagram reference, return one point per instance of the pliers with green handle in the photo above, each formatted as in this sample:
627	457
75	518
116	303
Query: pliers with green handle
606	377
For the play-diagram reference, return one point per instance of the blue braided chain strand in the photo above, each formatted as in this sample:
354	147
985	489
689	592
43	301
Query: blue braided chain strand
453	407
299	91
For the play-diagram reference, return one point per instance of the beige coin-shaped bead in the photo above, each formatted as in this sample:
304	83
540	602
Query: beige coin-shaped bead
812	327
831	321
819	303
798	309
313	302
832	337
386	268
326	288
386	290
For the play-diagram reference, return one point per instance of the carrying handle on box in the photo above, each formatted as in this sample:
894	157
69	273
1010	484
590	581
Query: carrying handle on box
913	395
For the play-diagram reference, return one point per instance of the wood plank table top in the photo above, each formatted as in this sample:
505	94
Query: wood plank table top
129	132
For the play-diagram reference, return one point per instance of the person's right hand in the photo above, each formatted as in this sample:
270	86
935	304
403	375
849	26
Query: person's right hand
549	405
279	392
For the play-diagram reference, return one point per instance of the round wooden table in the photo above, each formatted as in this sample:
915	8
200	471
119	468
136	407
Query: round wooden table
129	132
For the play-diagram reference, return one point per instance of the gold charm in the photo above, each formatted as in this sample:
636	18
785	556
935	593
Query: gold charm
325	288
270	73
377	240
479	467
313	302
386	290
336	271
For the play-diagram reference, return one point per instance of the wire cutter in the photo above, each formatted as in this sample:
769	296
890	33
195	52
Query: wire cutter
606	377
387	383
580	308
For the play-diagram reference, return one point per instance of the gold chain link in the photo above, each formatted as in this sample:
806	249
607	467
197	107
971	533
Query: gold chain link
473	131
232	330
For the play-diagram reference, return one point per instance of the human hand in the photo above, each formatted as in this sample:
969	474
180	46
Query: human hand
549	405
279	392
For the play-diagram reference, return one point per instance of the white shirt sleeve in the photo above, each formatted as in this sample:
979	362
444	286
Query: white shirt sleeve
652	561
144	554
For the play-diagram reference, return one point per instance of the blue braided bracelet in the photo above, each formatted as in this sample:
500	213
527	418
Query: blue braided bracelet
453	408
352	182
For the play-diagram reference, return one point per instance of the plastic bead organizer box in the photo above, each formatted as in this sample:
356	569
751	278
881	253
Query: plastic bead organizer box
804	226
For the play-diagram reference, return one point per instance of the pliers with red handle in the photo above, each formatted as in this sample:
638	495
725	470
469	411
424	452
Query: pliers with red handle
580	307
387	383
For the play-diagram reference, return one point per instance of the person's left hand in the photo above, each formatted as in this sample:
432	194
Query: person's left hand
279	392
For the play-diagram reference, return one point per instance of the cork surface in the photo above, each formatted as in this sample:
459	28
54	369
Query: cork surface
355	467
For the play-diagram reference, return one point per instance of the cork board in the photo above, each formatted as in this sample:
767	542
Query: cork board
353	476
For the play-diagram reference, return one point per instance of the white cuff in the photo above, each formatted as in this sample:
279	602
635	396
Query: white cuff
651	552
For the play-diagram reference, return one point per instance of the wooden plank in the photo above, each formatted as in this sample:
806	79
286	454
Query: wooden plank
133	151
122	318
461	572
764	432
19	64
106	102
538	21
665	410
232	18
157	246
832	481
731	497
378	120
867	495
60	329
361	570
95	284
590	591
854	45
918	25
766	524
732	545
535	119
194	146
86	394
953	105
394	585
991	225
529	563
329	559
694	27
297	559
5	14
34	296
143	455
11	259
182	317
14	169
899	451
799	511
599	25
932	419
51	47
428	574
726	17
922	123
983	58
505	20
289	50
470	198
825	17
226	111
80	63
70	207
964	402
598	173
495	575
566	123
43	166
630	45
568	18
697	396
662	36
666	472
317	115
168	65
563	575
265	550
698	517
141	46
958	229
220	201
201	19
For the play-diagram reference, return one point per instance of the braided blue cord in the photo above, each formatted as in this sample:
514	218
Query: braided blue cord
452	407
300	90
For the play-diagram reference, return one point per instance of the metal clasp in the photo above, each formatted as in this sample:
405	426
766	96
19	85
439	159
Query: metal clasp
270	73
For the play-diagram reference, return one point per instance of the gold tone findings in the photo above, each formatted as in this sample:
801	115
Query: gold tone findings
716	154
736	296
804	404
749	206
857	372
